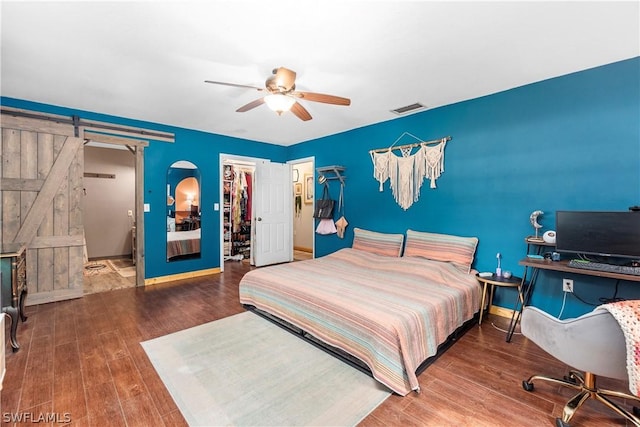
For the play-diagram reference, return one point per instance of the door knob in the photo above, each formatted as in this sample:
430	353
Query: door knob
258	219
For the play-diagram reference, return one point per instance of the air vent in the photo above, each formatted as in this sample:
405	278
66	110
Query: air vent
408	108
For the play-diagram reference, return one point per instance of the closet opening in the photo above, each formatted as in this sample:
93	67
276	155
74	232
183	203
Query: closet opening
237	203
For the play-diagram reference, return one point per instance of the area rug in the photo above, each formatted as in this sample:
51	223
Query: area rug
124	267
245	371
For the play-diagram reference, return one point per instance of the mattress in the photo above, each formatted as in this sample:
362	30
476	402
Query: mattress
391	313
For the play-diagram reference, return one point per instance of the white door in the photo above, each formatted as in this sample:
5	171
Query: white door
272	214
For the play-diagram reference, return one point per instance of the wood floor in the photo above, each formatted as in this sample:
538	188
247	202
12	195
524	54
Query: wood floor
81	361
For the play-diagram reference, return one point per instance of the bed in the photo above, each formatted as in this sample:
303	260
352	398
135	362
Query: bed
181	243
387	311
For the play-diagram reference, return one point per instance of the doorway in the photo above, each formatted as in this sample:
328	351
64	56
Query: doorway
237	206
109	220
303	223
268	222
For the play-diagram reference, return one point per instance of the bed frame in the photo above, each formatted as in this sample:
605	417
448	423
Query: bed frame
352	360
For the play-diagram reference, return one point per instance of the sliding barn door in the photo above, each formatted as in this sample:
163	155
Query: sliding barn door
41	187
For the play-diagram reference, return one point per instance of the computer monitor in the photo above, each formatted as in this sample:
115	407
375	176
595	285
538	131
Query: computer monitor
608	234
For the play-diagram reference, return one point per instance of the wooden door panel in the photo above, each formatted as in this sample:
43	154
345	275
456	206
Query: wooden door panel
42	204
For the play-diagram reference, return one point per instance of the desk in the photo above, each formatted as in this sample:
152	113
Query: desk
545	264
493	281
14	288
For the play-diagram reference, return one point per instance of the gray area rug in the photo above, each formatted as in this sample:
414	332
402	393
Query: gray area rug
243	370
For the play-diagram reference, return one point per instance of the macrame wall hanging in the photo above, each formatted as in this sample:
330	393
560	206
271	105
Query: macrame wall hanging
407	169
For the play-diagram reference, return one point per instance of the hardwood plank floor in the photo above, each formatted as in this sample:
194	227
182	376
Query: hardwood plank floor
81	360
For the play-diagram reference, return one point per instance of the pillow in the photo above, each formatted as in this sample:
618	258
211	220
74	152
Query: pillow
377	243
442	247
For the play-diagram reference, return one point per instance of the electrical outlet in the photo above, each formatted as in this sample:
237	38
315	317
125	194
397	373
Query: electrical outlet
129	212
567	285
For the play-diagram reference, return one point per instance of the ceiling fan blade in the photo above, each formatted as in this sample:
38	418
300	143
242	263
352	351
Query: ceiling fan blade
234	85
285	78
251	105
321	97
300	112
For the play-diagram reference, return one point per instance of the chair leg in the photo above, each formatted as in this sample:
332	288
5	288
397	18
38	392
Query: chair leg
576	378
587	386
574	404
565	383
612	405
618	394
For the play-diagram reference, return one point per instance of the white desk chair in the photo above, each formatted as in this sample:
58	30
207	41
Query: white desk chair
592	343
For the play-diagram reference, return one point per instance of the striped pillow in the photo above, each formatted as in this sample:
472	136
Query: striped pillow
442	247
377	243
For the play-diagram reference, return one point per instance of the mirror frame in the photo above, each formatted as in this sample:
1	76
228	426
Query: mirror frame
177	173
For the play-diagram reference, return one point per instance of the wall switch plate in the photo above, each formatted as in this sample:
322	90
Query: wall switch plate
129	212
567	285
147	207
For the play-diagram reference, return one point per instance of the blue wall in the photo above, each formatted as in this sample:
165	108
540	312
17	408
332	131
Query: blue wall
200	148
571	143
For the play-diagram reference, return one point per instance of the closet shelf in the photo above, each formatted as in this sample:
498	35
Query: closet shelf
332	172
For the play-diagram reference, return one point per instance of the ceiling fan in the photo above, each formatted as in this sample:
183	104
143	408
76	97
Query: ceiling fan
282	95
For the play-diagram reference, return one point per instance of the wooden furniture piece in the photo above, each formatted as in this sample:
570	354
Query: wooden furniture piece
492	282
544	264
14	287
533	266
3	367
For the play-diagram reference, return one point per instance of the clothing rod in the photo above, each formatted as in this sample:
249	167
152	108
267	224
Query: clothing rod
415	144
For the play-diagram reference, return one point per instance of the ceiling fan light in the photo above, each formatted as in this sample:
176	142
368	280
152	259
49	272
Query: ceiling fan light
279	103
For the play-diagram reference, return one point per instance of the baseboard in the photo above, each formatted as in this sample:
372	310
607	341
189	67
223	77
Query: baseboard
303	249
502	312
181	276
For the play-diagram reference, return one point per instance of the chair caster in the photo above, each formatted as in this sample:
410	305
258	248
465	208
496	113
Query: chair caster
527	385
560	423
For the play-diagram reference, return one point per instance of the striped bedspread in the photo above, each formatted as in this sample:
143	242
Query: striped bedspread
183	243
389	312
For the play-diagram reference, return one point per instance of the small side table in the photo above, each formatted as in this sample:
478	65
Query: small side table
493	281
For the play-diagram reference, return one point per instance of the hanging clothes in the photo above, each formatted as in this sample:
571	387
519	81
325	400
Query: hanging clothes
236	208
249	190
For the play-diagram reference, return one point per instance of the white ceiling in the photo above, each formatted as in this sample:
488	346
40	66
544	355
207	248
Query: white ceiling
148	60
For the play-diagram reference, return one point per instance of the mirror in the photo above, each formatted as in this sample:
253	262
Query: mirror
183	211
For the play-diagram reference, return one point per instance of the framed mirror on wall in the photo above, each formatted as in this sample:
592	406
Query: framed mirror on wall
183	211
